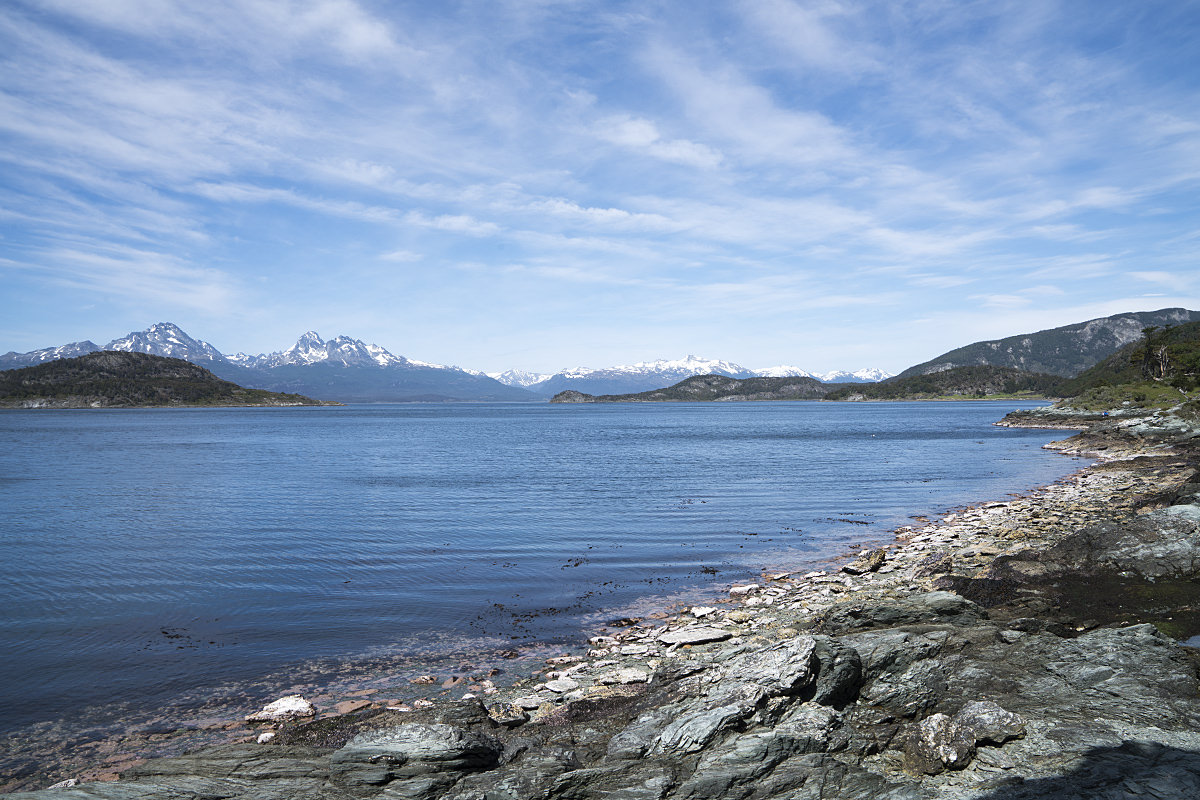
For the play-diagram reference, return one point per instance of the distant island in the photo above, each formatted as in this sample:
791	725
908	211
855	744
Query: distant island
110	379
970	382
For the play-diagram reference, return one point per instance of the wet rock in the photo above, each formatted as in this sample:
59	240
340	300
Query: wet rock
291	707
350	706
868	562
938	743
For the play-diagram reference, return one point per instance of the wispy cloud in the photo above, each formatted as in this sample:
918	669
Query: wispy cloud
784	161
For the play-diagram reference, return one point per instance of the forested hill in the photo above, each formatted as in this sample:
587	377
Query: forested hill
109	379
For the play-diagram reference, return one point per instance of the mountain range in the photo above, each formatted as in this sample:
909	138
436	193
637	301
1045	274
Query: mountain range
349	370
342	368
648	375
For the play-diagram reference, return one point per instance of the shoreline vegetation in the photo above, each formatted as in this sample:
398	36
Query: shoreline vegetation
112	379
1019	648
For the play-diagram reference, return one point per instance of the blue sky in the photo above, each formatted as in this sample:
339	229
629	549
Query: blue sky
547	184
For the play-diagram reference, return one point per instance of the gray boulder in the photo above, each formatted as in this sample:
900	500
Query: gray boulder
432	753
990	723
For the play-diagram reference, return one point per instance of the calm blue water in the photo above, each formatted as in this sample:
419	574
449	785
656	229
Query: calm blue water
146	553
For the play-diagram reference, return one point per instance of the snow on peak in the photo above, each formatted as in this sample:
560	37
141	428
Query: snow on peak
165	339
681	367
312	349
518	377
783	371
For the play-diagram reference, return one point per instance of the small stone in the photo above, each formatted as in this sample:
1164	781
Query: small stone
635	650
422	703
743	591
529	703
263	738
561	685
701	612
68	783
288	707
424	680
510	715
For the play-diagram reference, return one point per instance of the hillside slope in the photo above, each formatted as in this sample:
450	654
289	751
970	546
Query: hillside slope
1064	351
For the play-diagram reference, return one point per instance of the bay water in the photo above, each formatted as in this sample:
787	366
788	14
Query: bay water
152	555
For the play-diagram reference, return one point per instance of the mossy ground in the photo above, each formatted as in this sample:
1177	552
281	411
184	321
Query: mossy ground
1148	395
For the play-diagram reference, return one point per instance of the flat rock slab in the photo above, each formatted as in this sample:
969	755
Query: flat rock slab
700	634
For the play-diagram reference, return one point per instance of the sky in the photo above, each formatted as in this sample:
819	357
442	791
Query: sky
537	184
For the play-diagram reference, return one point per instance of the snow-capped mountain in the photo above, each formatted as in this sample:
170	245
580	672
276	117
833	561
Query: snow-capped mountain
15	360
312	349
518	377
858	376
837	376
167	339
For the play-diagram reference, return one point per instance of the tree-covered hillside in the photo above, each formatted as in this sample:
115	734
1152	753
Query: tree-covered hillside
109	379
966	382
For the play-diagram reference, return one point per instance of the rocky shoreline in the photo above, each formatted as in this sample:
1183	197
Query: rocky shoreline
1023	648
